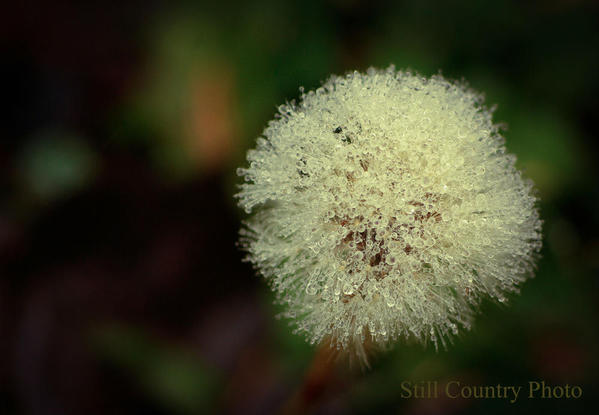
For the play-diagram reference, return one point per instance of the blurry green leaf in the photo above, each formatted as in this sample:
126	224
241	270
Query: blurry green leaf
547	144
175	378
55	164
294	353
185	50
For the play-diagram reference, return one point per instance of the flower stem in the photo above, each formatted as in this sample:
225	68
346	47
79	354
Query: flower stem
321	380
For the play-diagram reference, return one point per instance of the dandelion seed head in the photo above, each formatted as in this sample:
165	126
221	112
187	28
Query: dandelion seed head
385	205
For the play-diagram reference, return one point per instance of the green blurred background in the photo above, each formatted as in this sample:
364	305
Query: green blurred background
121	289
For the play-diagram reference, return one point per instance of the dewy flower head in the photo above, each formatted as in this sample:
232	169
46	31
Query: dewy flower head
387	207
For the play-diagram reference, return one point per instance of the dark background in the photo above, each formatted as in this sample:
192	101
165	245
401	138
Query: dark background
121	289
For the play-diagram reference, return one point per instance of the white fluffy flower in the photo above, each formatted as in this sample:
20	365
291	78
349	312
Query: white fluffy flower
387	207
